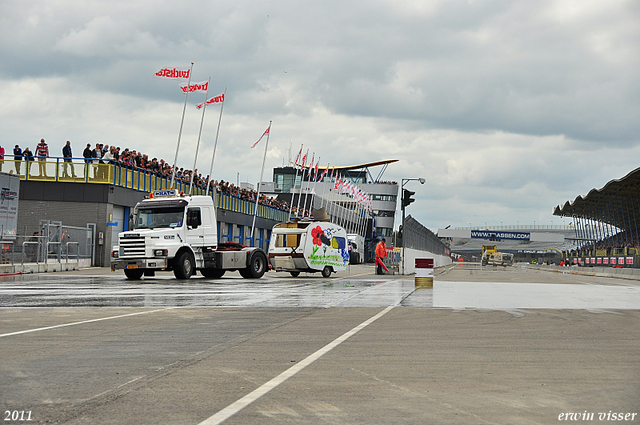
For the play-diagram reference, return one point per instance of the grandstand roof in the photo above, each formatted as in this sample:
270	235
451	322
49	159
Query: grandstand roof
358	166
621	195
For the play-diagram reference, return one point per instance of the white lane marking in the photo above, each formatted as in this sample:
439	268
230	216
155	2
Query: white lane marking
78	323
240	404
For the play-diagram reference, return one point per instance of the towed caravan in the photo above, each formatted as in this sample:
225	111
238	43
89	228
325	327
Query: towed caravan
309	246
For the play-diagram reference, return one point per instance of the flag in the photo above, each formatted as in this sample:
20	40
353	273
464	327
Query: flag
263	134
315	173
195	87
304	158
173	73
313	158
215	99
295	163
324	173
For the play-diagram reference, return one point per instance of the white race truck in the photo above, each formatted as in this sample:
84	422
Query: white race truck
309	246
179	233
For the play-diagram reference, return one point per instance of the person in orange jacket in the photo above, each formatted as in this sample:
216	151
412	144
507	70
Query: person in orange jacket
381	253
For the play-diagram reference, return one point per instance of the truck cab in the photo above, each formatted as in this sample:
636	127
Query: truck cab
173	232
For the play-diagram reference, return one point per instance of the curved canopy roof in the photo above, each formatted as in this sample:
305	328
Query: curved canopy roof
617	203
356	167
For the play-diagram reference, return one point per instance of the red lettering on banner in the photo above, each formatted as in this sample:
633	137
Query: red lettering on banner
215	99
173	73
195	87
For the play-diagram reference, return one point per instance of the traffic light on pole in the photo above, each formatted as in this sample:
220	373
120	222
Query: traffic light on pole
407	197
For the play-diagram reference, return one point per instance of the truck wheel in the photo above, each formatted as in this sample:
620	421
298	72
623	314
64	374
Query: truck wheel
212	273
133	274
257	266
326	272
295	274
184	267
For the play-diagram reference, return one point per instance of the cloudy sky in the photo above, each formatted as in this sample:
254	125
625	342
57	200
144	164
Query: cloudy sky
507	108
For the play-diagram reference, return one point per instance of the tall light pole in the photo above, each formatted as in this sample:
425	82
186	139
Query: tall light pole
406	200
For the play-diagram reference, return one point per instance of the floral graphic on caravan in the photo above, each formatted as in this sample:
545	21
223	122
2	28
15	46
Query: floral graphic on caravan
324	239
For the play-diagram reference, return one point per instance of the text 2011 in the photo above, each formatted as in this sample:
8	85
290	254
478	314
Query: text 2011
17	415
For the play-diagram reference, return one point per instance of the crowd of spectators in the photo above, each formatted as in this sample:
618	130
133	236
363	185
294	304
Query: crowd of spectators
159	167
612	245
105	154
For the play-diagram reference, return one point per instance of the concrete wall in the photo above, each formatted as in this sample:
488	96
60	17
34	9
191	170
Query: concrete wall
412	254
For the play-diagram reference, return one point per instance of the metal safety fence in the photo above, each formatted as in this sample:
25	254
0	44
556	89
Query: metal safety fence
416	236
54	243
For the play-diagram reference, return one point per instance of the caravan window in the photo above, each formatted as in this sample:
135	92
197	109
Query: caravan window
284	241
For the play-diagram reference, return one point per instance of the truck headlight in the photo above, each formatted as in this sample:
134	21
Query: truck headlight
160	252
114	253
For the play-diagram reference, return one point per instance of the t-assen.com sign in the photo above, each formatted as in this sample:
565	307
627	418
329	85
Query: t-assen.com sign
487	234
9	190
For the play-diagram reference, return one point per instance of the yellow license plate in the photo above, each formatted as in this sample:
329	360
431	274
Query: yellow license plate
132	266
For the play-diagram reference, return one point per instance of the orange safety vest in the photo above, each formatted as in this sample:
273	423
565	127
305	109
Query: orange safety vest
381	250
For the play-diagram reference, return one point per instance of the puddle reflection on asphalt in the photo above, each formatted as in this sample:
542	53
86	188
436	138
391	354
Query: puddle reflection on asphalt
49	291
505	296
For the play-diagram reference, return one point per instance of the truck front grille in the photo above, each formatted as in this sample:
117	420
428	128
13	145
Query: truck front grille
132	247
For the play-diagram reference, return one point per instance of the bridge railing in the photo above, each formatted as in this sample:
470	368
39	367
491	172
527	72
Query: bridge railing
79	170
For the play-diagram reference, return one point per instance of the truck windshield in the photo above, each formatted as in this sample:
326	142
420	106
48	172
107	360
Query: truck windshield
151	218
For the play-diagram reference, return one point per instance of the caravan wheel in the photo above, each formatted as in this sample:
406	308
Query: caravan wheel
326	272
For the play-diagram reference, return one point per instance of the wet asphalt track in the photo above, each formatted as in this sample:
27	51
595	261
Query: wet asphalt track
486	346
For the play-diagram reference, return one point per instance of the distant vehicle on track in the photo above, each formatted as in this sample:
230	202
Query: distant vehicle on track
500	259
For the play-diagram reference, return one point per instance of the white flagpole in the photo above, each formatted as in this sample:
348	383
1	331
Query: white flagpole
215	144
301	183
184	109
195	158
313	191
294	184
364	215
255	210
308	183
324	189
334	208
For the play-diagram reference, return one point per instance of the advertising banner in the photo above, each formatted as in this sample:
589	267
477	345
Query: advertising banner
9	191
494	235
